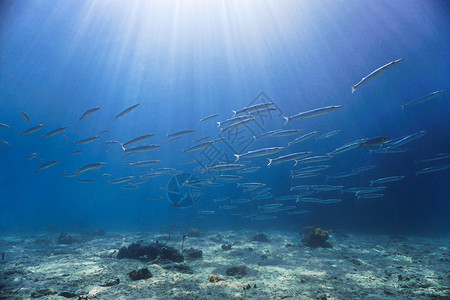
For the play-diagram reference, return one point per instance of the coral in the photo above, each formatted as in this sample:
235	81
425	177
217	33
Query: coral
150	252
237	271
317	238
192	253
143	273
214	278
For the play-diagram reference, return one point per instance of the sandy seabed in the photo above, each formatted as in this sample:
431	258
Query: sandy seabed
356	267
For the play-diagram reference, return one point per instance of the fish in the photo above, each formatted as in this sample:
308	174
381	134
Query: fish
424	98
5	143
85	180
227	207
282	133
172	140
121	180
312	113
54	132
303	138
325	188
106	175
408	139
127	110
289	157
287	198
47	165
388	150
345	148
232	120
90	167
237	125
137	140
206	212
373	142
328	135
180	133
201	139
25	116
376	73
249	109
364	190
263	218
298	212
3	125
228	177
103	132
129	187
198	147
140	181
209	117
315	159
247	185
432	169
111	142
304	175
248	170
241	200
33	129
221	199
225	167
363	169
270	207
75	152
139	149
369	196
69	175
143	163
263	111
88	113
86	141
310	169
33	155
436	157
266	134
259	152
342	175
386	179
309	200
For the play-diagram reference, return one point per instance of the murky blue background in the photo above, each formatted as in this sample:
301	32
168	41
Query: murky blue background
185	60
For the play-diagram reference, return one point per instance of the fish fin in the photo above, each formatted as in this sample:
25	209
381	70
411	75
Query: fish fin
353	88
238	156
287	120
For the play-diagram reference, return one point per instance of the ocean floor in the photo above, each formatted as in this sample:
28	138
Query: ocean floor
51	266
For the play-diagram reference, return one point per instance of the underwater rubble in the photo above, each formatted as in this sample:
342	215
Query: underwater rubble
285	267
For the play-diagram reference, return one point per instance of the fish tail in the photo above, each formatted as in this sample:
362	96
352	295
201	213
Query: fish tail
371	183
289	144
353	88
287	120
234	112
123	148
270	162
238	156
296	163
403	106
218	124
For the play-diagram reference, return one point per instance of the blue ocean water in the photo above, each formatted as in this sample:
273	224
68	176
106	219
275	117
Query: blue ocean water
182	61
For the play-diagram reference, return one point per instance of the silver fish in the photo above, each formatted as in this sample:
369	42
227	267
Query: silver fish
137	140
88	112
89	167
54	132
424	98
303	138
180	133
75	152
139	149
209	117
407	139
25	116
121	180
251	108
432	169
259	152
312	113
435	157
47	165
376	73
232	120
127	110
144	163
201	139
282	133
86	141
5	143
289	157
237	125
3	125
33	129
369	196
328	135
386	179
198	147
33	155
